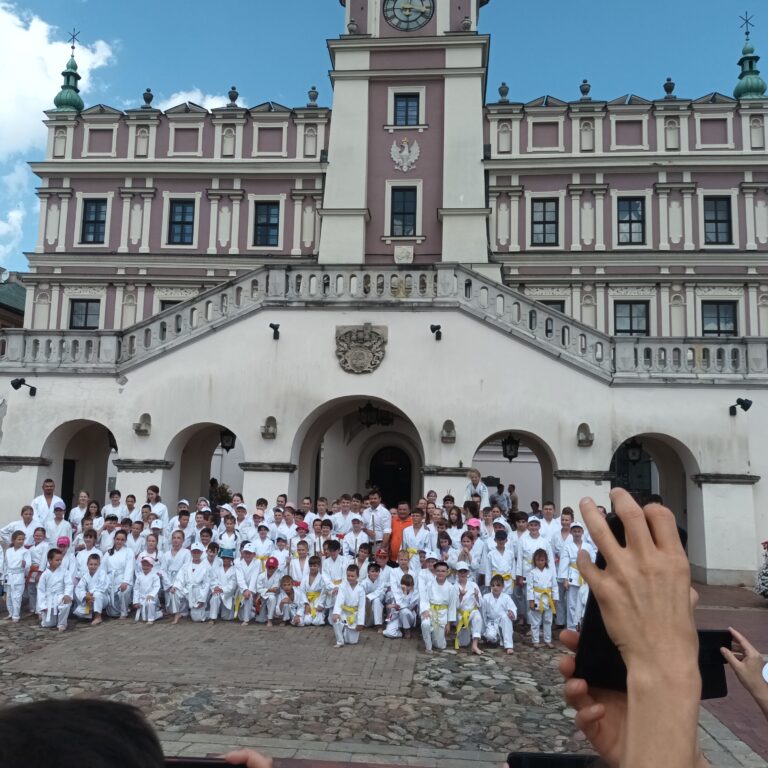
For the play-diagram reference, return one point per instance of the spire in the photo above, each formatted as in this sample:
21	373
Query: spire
750	85
68	98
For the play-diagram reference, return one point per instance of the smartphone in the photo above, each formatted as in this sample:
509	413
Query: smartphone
540	760
194	762
599	662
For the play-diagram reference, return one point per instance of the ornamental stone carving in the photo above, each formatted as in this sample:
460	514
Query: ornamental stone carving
547	292
360	348
719	290
647	290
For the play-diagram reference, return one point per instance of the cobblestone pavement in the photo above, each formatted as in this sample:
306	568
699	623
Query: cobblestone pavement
291	693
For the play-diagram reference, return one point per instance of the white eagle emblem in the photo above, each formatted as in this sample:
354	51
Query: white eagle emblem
405	155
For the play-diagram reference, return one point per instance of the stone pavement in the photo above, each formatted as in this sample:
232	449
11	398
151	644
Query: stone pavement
291	693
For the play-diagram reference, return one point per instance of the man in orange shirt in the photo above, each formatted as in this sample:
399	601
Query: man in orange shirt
400	522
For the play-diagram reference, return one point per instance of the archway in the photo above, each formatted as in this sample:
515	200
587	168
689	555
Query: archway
649	464
334	447
81	454
531	470
391	472
199	453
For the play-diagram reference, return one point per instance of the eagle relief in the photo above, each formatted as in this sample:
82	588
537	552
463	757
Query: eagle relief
405	155
360	348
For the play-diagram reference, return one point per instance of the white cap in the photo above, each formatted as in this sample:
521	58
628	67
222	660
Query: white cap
431	556
249	547
147	558
197	547
158	523
182	501
227	507
352	518
576	524
461	566
533	519
242	506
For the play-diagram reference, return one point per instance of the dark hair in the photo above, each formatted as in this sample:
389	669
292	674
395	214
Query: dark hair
107	518
262	502
183	513
131	496
541	552
97	558
118	533
213	547
353	569
156	490
315	560
407	580
472	508
89	534
345	497
549	504
115	493
374	567
206	530
499	580
326	522
98	506
333	545
51	554
40	528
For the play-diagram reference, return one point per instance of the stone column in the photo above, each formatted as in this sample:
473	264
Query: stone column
688	219
599	219
214	225
125	222
663	222
298	202
749	212
575	219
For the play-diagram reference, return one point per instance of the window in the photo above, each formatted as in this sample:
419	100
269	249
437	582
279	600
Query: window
554	304
631	213
630	318
84	314
181	226
94	221
267	233
544	222
168	303
718	318
403	222
406	109
717	220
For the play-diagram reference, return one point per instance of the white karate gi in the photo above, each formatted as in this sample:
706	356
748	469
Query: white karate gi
193	582
76	515
170	564
15	573
134	543
222	605
482	489
42	509
56	528
296	608
558	545
81	560
570	570
382	522
542	589
314	590
550	529
119	569
352	542
98	587
18	525
334	572
52	588
349	606
469	620
261	584
438	601
37	562
246	573
265	548
298	570
497	623
413	541
146	591
527	545
402	614
342	525
309	540
374	599
502	564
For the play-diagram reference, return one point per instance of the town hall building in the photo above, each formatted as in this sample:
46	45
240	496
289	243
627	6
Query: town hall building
420	276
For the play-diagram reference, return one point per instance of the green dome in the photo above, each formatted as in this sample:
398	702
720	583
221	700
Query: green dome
750	85
68	98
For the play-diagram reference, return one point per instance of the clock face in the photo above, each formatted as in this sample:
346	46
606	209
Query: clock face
408	15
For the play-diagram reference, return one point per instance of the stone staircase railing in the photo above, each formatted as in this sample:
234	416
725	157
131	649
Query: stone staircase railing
440	286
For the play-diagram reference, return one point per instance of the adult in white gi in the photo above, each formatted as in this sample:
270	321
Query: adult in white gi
499	614
438	609
478	487
469	621
379	521
118	565
54	594
42	505
348	613
558	542
416	537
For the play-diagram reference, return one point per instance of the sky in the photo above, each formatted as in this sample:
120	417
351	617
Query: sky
275	50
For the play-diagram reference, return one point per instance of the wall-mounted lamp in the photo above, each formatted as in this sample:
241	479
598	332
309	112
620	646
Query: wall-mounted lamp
436	329
275	330
227	439
741	402
19	383
634	450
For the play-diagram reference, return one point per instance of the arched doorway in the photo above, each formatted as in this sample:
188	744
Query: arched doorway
391	472
81	454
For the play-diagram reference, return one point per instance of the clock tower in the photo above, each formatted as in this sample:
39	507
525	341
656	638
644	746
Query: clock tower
405	181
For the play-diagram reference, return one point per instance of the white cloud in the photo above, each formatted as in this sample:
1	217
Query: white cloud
18	181
196	96
35	62
11	232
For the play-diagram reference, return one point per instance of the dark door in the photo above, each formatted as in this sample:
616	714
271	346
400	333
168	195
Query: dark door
391	472
68	483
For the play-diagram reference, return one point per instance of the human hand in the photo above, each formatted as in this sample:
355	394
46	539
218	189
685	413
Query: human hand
747	663
66	599
250	758
335	617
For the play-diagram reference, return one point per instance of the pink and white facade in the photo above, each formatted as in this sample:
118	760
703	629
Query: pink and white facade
591	263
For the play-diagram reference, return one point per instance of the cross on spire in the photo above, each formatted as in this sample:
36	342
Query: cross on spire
747	23
73	38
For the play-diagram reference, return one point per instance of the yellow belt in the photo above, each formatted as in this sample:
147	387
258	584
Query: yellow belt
411	551
463	624
312	597
351	615
336	582
435	609
581	580
238	600
262	557
505	576
544	593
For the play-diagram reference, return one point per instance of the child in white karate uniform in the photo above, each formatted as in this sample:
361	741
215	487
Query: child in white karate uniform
569	569
299	563
266	586
403	611
313	586
54	593
171	562
247	568
501	561
438	609
375	589
146	591
37	559
223	588
193	583
499	614
15	573
292	605
348	615
91	590
334	567
542	596
469	624
118	564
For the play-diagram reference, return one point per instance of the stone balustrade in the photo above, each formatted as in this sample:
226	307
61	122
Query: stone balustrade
440	286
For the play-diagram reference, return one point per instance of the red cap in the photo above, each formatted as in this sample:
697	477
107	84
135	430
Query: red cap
302	526
272	562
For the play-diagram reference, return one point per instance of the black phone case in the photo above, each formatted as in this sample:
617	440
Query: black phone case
540	760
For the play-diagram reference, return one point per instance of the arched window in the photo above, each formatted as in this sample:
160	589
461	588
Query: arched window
505	138
59	142
142	142
228	142
672	134
587	136
310	141
757	133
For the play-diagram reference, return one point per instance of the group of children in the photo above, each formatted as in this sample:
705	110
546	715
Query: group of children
457	573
